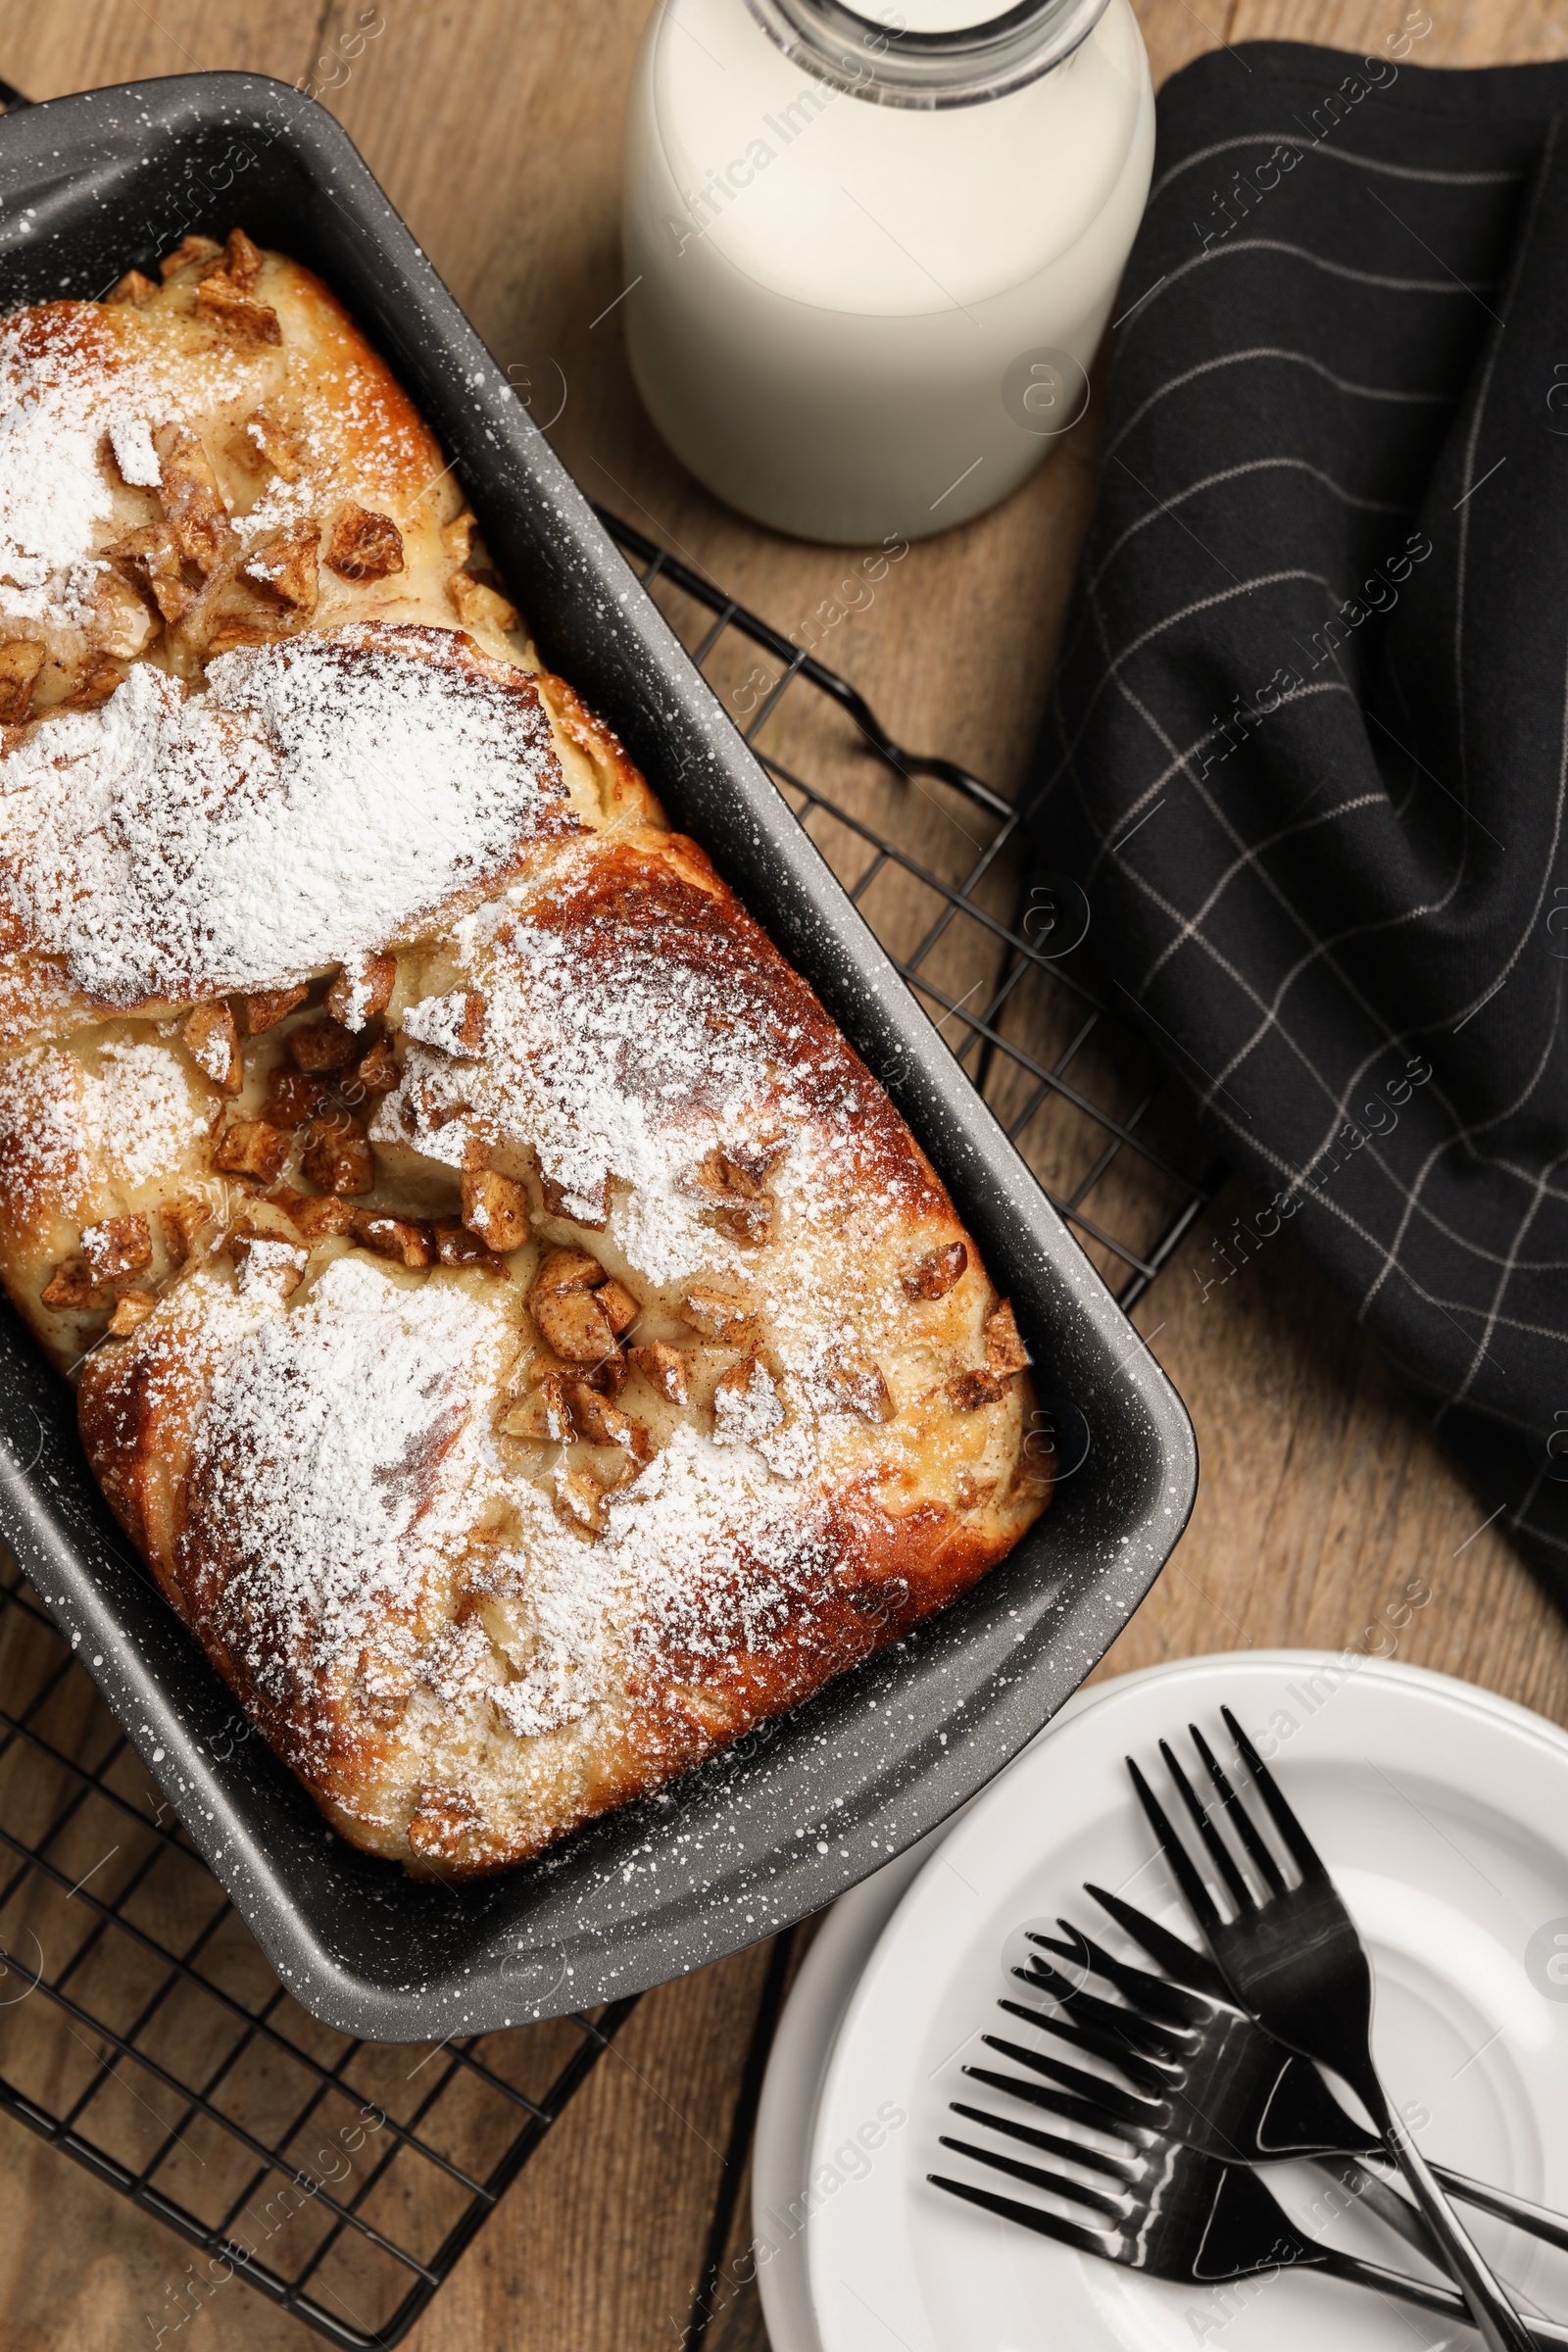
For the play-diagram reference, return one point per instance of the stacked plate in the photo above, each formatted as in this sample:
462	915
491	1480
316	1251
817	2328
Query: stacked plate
1441	1813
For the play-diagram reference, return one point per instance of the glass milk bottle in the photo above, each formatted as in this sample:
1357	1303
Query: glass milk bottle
871	261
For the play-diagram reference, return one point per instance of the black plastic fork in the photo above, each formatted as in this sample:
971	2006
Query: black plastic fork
1294	1960
1232	2089
1172	2210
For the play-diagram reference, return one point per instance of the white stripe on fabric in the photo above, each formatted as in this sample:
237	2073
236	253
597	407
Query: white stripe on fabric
1330	155
1231	473
1298	359
1297	253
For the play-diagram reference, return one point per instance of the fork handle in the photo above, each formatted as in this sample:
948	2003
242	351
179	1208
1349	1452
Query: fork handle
1549	2335
1359	2176
1502	2327
1539	2220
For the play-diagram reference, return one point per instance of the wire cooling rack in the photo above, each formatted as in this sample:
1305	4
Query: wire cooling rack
995	945
141	2030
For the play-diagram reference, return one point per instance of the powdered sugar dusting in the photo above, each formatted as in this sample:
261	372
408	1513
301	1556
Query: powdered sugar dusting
660	1590
337	1445
132	438
319	796
613	1057
67	1125
62	388
746	1414
140	1113
41	1130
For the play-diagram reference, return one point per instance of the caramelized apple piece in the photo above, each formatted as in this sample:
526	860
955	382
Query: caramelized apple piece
274	444
401	1239
267	1007
453	1023
610	1375
193	506
364	546
213	1043
362	990
566	1270
496	1209
574	1325
585	1204
337	1155
934	1276
858	1386
131	1311
718	1314
580	1502
758	1157
620	1308
20	661
664	1368
739	1206
971	1390
74	1289
321	1045
118	1247
456	536
219	299
153	557
251	1148
264	1260
747	1404
286	563
96	681
314	1219
135	287
456	1246
604	1423
242	260
183	1221
543	1414
293	1097
376	1071
189	249
1005	1353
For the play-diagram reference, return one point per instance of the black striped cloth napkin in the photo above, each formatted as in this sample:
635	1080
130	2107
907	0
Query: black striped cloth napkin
1307	746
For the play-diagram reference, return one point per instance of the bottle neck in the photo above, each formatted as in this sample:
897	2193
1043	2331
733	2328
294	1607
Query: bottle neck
962	66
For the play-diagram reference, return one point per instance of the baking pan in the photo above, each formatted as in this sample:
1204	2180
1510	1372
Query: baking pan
801	1808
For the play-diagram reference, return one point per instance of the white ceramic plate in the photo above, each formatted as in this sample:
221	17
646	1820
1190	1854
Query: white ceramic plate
786	2117
1443	1813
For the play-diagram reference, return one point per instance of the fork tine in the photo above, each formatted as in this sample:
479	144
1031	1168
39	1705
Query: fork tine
1197	1898
1142	2033
1071	2192
1285	1820
1244	1826
1075	2151
1154	1997
1123	2103
1137	2071
1219	1852
1176	1958
1090	2112
1049	2225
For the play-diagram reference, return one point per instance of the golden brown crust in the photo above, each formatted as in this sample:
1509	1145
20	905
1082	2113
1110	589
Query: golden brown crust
524	1342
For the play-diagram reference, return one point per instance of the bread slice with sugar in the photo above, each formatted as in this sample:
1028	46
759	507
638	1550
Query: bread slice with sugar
522	1338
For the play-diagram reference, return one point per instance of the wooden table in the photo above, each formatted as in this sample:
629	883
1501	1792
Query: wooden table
495	127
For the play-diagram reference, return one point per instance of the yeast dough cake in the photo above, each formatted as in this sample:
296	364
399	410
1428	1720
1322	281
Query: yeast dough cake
521	1338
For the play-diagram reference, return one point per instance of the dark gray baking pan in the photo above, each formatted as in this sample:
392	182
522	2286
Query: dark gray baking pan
806	1806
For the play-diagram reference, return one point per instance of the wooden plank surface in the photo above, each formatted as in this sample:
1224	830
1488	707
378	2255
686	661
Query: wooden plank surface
495	126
